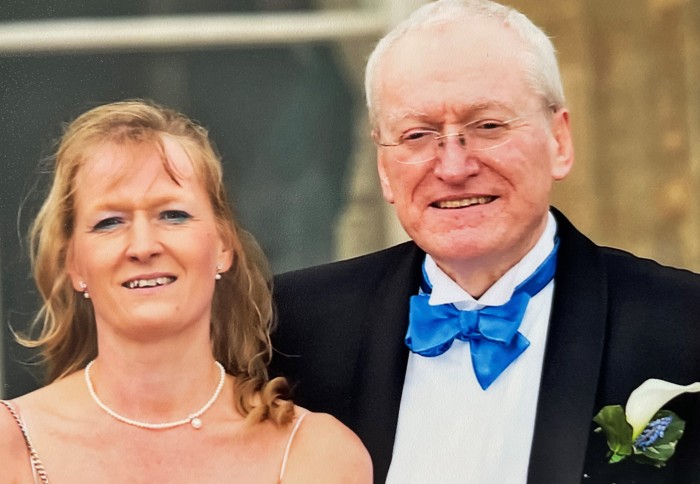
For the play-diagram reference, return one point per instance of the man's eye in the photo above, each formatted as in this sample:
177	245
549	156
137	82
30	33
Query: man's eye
175	216
490	124
107	224
413	136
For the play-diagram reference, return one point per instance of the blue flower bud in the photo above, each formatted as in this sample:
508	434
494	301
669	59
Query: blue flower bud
652	432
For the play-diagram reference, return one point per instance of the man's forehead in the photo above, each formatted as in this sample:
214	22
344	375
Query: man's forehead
451	68
439	52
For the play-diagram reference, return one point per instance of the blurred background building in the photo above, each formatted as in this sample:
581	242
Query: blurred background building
279	85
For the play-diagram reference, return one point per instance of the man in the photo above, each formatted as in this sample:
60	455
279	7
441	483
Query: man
472	131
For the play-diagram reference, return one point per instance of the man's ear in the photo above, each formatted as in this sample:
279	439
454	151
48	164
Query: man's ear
564	156
384	179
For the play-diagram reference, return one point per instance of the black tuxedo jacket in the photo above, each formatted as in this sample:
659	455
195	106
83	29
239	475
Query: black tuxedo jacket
616	321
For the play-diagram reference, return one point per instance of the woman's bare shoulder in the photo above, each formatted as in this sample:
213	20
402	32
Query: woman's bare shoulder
32	407
13	449
9	428
326	451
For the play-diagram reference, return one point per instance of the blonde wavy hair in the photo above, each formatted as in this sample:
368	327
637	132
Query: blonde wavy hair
242	318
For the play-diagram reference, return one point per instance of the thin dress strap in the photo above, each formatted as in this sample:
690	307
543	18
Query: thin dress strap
289	443
37	466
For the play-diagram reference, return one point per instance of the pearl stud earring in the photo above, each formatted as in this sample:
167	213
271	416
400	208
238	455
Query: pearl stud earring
83	286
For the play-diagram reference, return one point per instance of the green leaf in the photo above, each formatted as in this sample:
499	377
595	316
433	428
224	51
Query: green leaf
662	450
617	431
615	458
643	459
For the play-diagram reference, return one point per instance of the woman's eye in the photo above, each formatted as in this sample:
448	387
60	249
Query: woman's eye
175	216
107	223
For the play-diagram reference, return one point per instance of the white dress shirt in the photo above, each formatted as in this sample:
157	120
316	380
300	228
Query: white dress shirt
449	429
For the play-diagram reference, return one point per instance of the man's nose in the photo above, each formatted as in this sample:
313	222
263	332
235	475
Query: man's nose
455	161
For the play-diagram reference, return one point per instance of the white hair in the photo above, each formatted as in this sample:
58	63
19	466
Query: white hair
539	57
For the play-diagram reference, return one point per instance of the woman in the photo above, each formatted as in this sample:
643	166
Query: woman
155	325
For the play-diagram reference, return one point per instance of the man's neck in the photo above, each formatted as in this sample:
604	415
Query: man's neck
476	277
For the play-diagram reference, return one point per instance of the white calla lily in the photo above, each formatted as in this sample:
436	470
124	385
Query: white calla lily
648	398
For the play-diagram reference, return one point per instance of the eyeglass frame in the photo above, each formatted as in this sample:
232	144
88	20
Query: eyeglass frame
462	135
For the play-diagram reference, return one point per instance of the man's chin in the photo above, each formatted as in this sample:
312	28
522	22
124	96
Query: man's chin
457	245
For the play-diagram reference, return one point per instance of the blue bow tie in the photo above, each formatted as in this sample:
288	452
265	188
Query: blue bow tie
492	332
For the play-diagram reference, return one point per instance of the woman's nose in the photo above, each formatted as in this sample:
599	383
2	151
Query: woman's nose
143	241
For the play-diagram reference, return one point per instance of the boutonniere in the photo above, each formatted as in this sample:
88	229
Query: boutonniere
642	429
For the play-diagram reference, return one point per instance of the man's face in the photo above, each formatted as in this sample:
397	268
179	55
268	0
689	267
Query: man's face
471	210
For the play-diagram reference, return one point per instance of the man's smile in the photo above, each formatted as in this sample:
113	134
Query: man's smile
463	202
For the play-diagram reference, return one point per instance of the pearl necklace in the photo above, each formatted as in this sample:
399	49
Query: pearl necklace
193	419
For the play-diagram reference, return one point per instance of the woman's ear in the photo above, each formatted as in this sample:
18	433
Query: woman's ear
225	259
77	279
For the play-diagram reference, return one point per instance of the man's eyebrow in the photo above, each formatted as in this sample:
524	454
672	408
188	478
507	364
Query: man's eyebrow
396	116
466	109
483	105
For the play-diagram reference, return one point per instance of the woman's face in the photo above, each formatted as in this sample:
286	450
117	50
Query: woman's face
146	245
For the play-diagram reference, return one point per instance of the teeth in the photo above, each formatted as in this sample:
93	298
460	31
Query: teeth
466	202
158	281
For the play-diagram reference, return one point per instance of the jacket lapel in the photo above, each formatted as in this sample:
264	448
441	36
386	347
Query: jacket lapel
570	371
382	365
572	362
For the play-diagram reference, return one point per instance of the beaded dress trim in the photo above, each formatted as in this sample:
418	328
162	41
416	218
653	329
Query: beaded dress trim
37	466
